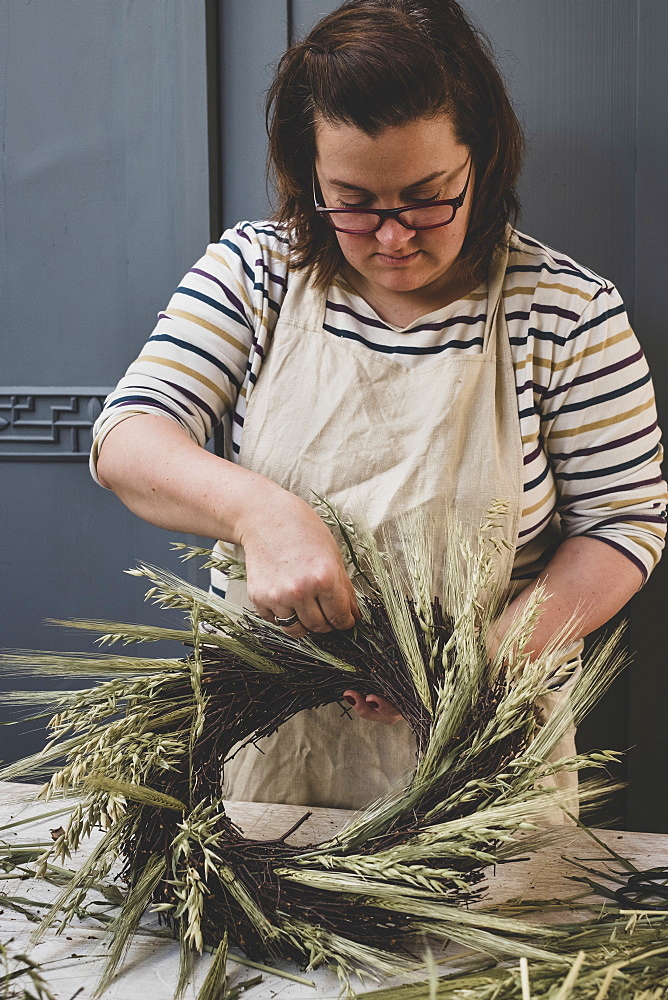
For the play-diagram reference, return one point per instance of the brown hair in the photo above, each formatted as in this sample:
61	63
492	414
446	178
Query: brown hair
381	63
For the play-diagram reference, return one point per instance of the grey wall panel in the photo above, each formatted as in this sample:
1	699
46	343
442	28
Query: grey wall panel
253	38
69	569
104	206
648	733
305	13
570	69
651	234
65	546
105	179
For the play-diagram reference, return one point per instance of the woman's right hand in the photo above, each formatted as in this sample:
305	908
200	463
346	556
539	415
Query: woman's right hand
292	560
293	565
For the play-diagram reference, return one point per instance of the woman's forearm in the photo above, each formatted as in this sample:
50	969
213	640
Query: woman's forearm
587	582
164	477
293	563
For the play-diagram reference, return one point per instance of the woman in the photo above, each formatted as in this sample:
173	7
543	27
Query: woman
390	342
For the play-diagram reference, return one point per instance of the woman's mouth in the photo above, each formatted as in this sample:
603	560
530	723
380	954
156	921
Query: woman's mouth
397	260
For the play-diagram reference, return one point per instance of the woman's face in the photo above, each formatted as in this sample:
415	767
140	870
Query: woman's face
400	166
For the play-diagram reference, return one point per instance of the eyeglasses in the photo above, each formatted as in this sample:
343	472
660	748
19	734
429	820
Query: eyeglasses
361	221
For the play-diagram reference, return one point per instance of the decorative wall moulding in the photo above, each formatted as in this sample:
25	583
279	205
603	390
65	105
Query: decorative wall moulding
48	423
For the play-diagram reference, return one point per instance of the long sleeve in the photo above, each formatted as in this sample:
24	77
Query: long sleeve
208	344
599	427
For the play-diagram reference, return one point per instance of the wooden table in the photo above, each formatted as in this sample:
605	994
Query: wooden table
151	965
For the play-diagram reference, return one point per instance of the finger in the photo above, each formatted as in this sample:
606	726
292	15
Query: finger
351	598
355	700
354	606
339	608
373	708
267	615
264	612
311	616
386	712
297	630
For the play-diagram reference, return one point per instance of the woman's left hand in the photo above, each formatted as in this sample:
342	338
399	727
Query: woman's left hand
586	583
372	707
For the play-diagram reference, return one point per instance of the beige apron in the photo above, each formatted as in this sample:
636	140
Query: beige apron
332	417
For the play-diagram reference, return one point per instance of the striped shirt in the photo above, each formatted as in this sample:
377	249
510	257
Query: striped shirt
588	422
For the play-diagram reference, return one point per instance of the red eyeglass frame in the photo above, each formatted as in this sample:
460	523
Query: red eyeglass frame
391	213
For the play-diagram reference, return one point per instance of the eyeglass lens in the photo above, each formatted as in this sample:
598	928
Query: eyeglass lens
414	218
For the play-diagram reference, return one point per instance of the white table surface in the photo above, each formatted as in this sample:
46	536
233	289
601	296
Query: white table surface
151	965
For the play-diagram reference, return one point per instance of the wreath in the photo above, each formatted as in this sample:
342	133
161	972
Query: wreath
147	748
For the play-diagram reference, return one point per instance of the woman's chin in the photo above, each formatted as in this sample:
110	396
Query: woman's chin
402	281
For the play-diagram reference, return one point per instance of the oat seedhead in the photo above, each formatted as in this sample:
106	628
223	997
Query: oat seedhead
234	569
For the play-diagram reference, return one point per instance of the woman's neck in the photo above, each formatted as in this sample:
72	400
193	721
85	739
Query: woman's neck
403	308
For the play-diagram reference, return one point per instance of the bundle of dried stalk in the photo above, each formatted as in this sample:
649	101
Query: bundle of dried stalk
148	746
613	957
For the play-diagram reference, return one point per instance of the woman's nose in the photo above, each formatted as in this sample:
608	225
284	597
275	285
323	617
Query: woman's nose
393	235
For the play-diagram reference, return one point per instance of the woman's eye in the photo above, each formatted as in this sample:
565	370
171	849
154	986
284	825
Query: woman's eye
412	200
417	200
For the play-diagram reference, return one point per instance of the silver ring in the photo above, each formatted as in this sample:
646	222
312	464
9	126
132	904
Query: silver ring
287	622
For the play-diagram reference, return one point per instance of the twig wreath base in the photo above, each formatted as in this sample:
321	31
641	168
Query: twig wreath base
148	747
